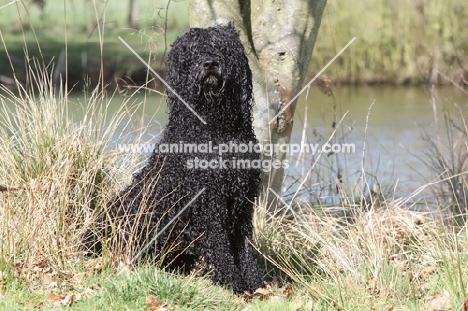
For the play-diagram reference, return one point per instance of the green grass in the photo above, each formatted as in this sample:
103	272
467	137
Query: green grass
130	291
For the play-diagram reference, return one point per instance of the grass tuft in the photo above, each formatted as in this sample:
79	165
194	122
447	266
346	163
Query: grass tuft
61	169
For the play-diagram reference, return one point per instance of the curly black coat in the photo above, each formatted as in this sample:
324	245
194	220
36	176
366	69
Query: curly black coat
208	69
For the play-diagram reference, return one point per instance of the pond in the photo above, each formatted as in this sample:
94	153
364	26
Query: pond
384	124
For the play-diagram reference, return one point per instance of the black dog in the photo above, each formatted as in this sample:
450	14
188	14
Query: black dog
208	70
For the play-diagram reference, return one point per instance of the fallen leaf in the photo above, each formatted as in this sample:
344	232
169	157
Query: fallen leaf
79	278
67	300
53	299
95	265
94	286
288	291
36	305
262	291
421	274
238	299
88	292
427	271
439	301
155	305
49	281
56	300
248	297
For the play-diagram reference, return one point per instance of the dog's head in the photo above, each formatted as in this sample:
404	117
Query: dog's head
208	64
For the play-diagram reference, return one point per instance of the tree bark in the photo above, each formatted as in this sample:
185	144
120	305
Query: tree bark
279	37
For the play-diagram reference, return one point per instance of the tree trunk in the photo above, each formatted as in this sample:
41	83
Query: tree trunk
133	13
279	37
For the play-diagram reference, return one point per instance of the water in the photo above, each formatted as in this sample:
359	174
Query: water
385	124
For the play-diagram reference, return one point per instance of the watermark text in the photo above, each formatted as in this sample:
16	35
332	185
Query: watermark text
238	148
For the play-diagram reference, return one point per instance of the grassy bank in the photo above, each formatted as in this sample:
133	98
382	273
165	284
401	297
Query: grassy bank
368	252
401	43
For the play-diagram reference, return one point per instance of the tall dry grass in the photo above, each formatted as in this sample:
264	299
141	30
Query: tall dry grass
447	158
370	249
383	257
58	170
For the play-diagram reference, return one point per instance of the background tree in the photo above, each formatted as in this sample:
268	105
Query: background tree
279	37
133	14
39	3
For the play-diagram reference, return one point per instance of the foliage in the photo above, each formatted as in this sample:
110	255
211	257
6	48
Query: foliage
397	42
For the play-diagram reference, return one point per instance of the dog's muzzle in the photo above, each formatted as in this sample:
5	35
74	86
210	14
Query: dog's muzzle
211	73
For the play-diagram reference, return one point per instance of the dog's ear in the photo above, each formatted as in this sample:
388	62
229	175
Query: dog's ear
241	88
179	73
246	94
